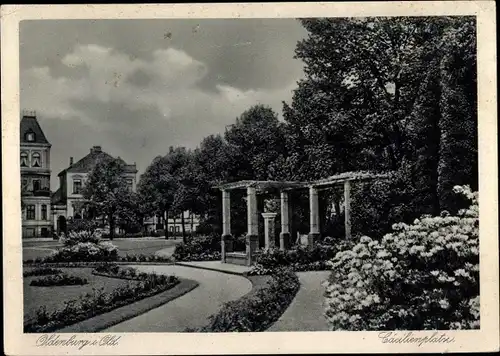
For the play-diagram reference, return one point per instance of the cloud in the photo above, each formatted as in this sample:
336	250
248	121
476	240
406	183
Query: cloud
158	100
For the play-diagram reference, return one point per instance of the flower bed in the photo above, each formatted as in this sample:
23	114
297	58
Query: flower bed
421	276
41	271
61	279
206	248
258	311
98	302
115	271
139	259
299	259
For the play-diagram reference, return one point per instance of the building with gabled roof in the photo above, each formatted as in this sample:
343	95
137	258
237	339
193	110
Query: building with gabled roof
35	178
66	199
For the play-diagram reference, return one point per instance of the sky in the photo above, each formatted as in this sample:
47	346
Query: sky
136	87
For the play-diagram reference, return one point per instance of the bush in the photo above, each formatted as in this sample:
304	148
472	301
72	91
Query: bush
206	248
258	311
76	237
421	276
77	225
301	258
83	252
115	271
59	280
41	271
98	302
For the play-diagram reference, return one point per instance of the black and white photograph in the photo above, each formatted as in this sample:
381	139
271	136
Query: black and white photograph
241	175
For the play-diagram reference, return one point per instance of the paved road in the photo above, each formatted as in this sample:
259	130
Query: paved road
305	313
192	309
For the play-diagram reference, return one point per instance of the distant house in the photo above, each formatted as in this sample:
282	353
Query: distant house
35	178
191	223
65	201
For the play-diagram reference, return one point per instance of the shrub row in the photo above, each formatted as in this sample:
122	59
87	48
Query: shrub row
97	302
202	248
62	279
258	311
41	271
115	271
300	258
126	258
423	276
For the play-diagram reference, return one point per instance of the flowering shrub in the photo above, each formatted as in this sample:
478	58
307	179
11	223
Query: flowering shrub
76	237
421	276
259	311
301	258
98	302
84	251
41	271
206	248
59	280
115	271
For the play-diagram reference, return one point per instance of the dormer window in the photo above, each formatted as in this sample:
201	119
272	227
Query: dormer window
30	136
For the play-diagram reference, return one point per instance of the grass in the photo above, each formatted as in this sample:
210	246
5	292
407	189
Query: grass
118	315
54	297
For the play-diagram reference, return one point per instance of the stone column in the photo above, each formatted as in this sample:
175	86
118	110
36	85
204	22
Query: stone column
285	222
252	238
313	215
226	242
269	229
252	214
347	199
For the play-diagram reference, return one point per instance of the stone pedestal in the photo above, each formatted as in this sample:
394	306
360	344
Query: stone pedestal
269	229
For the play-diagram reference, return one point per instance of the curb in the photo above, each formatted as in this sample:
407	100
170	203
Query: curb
126	312
186	264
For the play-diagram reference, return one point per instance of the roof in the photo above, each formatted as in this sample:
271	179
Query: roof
29	123
88	162
286	185
57	197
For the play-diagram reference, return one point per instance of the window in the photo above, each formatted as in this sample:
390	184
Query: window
30	212
36	184
130	184
24	185
35	159
30	136
177	229
77	186
24	159
171	229
44	212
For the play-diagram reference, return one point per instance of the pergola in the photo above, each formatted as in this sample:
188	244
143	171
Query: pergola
254	187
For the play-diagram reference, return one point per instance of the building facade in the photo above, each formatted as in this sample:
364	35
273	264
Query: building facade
66	201
35	178
174	223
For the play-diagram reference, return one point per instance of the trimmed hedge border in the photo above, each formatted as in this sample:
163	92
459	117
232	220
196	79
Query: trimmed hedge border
59	280
258	310
59	318
129	311
94	264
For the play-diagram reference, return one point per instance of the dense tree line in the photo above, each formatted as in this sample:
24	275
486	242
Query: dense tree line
379	94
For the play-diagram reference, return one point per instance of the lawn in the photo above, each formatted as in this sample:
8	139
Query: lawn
34	249
54	297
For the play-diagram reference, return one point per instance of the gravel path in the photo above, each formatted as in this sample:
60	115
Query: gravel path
192	309
305	313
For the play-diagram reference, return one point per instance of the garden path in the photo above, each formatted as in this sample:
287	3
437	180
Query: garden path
305	313
192	309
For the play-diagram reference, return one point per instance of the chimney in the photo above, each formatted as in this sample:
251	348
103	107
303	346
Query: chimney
71	161
95	149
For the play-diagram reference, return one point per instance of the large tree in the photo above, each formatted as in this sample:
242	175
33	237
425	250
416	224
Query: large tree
106	189
156	189
392	94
